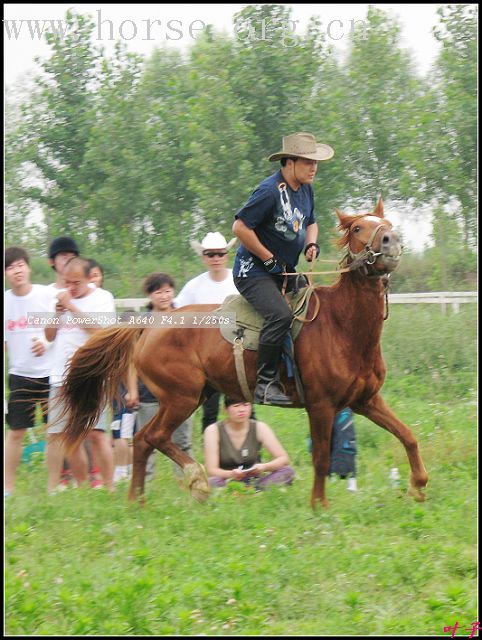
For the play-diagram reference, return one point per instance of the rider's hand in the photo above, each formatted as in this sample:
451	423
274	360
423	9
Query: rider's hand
273	266
312	251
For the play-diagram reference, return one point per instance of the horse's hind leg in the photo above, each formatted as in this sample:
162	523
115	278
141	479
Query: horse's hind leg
379	412
157	434
142	451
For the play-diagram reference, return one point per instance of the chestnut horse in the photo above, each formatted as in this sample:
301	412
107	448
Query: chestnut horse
338	355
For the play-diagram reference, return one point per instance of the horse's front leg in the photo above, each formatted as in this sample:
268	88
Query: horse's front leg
321	425
380	413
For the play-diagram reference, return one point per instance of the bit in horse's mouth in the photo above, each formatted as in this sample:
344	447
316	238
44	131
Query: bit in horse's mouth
390	263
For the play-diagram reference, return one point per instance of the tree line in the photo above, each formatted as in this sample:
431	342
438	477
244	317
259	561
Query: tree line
136	156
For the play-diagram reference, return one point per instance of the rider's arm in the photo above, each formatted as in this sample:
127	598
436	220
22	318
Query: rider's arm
311	233
250	240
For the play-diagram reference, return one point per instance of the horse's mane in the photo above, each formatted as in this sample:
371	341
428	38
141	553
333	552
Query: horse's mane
345	227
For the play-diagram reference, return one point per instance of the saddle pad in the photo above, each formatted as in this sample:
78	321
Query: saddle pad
249	320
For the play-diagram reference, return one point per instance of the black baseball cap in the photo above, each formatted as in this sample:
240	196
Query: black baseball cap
62	244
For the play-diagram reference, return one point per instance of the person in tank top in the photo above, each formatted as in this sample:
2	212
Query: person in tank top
232	450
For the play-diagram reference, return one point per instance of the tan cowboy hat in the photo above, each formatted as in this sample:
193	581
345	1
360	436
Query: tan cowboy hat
303	145
212	241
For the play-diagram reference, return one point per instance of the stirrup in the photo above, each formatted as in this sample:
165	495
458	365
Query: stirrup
284	403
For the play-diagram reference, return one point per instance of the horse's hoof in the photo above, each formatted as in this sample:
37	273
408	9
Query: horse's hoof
317	503
200	494
196	479
416	493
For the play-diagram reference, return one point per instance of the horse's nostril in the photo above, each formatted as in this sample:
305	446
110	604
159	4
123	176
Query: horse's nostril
386	239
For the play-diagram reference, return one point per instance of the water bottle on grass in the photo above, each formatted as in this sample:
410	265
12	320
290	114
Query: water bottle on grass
394	477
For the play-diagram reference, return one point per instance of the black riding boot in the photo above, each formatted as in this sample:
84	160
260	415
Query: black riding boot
268	388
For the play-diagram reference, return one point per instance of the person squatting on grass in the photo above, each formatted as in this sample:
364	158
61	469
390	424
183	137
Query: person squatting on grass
232	450
29	356
78	298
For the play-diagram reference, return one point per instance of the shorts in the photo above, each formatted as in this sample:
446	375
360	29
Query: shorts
123	424
56	408
25	394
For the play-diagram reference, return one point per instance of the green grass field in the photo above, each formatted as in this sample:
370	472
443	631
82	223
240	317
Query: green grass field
375	563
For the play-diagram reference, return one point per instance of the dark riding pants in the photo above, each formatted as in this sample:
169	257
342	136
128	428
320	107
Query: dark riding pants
264	293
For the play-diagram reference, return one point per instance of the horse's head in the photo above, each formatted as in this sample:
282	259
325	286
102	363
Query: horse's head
370	240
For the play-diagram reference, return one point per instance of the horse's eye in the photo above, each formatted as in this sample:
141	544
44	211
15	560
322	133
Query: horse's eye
356	229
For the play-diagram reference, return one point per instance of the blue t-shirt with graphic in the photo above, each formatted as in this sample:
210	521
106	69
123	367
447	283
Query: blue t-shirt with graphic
279	216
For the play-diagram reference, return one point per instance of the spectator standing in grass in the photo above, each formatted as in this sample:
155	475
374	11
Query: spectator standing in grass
61	250
78	298
123	428
210	287
96	278
343	448
160	289
29	356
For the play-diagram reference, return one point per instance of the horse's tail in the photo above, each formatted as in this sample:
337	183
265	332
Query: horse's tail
92	380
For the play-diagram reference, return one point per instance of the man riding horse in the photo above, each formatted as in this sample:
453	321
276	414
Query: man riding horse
274	227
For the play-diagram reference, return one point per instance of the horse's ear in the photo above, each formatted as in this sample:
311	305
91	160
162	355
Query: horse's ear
379	208
344	218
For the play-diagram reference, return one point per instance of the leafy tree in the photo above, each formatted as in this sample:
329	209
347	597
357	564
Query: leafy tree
456	98
217	136
18	208
59	123
163	98
274	72
113	160
379	114
136	156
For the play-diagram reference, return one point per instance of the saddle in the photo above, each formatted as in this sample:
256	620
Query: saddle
249	321
248	326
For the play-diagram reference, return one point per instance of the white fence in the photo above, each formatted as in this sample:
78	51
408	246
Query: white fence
443	298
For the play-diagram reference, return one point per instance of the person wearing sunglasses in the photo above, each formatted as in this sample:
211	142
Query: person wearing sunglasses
274	227
215	284
210	287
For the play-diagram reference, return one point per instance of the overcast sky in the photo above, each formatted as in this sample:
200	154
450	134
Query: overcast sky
180	24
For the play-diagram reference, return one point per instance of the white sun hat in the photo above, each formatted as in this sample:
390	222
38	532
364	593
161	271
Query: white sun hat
212	241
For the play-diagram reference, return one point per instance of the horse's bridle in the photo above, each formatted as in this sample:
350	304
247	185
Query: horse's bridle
367	256
364	259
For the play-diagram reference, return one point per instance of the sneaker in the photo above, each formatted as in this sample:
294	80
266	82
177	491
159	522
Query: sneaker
65	478
96	483
95	478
